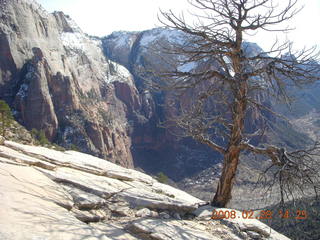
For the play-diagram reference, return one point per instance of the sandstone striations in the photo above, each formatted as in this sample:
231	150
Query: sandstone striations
49	194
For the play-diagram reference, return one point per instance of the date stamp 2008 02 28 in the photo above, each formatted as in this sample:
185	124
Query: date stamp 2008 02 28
263	214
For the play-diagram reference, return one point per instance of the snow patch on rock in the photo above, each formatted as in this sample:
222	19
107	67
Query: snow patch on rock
119	73
172	36
73	41
123	38
23	91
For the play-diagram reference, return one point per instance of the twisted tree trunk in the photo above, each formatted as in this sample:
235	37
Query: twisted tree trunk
232	154
223	193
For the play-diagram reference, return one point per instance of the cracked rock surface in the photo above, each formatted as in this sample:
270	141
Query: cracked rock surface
52	195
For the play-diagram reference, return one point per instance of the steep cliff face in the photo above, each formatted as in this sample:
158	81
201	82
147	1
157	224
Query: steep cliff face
156	149
148	52
58	80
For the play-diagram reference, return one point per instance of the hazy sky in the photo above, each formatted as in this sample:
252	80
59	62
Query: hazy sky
101	17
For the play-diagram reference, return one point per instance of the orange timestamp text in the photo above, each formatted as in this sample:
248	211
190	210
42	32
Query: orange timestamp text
262	214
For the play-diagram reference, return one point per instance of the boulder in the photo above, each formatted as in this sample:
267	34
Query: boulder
144	212
204	212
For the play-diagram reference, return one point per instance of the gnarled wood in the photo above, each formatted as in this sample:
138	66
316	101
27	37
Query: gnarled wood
232	79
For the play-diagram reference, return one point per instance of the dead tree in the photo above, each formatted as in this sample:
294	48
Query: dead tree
229	81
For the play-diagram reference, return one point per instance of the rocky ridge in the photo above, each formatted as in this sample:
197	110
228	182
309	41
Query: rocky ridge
47	194
57	79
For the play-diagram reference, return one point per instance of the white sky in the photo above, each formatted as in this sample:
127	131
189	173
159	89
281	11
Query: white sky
101	17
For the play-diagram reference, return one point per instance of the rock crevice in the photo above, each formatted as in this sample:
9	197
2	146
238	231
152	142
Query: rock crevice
70	201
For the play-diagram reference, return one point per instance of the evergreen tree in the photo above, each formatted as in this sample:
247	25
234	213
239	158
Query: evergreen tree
161	177
40	136
5	117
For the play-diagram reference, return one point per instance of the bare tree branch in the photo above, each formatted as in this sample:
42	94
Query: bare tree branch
215	97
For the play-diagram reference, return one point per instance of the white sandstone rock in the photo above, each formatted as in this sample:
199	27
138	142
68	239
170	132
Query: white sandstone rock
168	229
144	212
39	187
31	208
